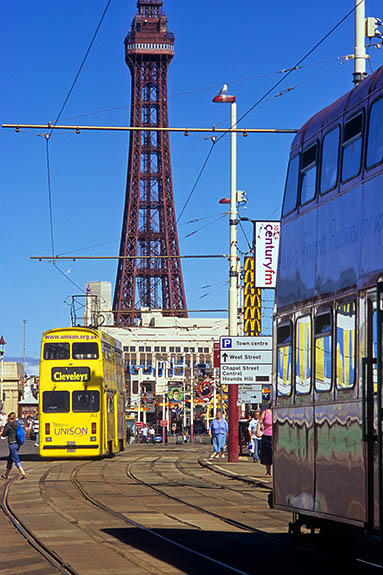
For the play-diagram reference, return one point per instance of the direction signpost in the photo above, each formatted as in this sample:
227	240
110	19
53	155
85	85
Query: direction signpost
246	362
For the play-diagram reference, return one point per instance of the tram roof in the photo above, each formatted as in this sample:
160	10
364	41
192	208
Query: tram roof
343	106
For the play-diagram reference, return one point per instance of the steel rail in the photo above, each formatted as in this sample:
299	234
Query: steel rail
152	532
48	553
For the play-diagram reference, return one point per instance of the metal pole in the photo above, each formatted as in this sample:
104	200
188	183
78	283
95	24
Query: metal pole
191	410
360	50
184	406
233	298
163	416
25	321
215	398
2	379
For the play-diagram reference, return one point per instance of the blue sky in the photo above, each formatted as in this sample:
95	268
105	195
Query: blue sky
243	44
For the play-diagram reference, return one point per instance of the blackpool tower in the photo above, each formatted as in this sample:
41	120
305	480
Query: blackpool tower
149	270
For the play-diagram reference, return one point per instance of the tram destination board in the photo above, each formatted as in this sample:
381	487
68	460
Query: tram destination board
246	360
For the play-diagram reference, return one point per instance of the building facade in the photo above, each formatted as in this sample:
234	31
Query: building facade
12	385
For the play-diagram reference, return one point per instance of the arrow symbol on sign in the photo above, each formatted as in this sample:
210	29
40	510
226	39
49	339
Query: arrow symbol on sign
224	355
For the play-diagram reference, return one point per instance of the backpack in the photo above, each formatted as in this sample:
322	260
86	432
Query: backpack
20	435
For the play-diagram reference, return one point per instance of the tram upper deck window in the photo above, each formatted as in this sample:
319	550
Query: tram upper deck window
375	135
303	355
330	159
323	351
284	356
291	189
86	350
55	401
86	401
352	147
309	174
345	345
56	350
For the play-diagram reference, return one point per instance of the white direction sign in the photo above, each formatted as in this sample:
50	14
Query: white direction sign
246	360
246	357
249	394
239	343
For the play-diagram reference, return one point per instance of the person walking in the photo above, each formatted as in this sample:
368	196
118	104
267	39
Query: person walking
253	426
3	420
10	431
36	430
266	420
218	432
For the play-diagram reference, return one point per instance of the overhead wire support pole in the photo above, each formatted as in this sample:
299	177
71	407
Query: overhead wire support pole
74	258
185	131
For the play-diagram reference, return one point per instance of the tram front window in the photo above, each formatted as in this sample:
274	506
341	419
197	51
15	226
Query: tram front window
56	401
56	350
85	401
85	350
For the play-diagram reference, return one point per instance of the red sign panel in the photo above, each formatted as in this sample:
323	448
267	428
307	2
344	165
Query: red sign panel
164	423
139	424
216	356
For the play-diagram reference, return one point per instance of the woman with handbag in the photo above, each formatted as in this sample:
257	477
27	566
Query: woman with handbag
266	420
10	431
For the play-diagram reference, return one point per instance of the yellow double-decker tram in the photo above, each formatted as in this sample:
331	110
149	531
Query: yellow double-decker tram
82	394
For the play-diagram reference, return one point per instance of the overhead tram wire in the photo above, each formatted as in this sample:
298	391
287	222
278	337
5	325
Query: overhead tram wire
323	39
48	136
291	70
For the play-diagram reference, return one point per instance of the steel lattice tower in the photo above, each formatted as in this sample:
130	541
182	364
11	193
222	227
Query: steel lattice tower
149	224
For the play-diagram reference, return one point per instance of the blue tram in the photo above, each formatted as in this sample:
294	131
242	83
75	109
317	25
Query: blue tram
329	313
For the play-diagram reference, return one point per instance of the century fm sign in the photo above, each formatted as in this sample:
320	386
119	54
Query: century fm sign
266	253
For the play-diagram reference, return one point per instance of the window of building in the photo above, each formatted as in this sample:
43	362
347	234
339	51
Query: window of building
192	350
171	349
88	350
141	348
163	349
345	345
56	350
126	348
375	135
206	350
132	348
291	188
352	147
330	160
85	401
186	349
178	350
309	174
303	355
135	386
156	349
200	350
148	348
55	401
284	355
323	351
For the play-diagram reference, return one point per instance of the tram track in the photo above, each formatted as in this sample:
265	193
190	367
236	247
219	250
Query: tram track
106	479
311	549
75	481
49	554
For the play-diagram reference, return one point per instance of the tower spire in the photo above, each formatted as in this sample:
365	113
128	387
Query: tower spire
149	224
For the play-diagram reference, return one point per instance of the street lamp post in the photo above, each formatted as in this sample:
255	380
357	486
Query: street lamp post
2	344
223	98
